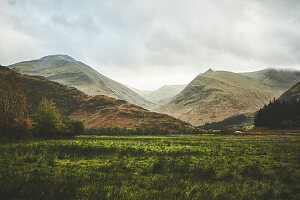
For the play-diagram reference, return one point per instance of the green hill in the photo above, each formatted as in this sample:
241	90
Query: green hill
68	71
214	96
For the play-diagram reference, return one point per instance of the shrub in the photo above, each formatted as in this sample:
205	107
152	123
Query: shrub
75	127
47	119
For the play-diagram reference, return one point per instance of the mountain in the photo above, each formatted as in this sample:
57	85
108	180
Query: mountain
95	111
214	96
292	94
161	95
246	121
276	78
68	71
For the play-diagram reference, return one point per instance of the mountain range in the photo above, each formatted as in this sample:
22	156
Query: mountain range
162	95
95	111
214	96
211	97
68	71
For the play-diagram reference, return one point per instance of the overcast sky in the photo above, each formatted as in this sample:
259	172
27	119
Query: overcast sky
149	43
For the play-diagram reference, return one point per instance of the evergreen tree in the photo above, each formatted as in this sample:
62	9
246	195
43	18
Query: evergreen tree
279	115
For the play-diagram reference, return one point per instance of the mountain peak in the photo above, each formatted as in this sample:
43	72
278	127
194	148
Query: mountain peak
58	57
209	71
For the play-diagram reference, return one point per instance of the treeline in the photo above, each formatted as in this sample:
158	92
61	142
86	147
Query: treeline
239	122
118	131
279	114
18	119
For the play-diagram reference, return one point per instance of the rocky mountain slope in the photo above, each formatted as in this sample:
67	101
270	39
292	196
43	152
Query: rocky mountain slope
276	78
162	95
68	71
214	96
95	111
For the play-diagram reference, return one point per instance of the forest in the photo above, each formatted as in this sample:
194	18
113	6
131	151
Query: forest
279	114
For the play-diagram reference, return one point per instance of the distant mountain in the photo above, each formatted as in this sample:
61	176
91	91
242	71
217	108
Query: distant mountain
214	96
97	111
68	71
292	94
161	95
276	78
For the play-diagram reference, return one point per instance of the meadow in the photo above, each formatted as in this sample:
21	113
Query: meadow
152	167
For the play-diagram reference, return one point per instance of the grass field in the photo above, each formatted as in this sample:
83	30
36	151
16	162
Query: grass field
154	167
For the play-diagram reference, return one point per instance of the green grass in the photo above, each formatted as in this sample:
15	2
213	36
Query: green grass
154	167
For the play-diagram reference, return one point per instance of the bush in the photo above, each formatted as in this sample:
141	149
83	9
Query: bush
75	127
48	122
47	119
226	131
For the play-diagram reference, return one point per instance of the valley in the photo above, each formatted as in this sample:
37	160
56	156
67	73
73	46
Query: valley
149	100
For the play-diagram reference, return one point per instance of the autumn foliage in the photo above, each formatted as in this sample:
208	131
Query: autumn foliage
42	121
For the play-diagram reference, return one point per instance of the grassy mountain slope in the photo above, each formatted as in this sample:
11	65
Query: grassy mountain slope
214	96
292	94
279	79
161	95
68	71
98	111
244	121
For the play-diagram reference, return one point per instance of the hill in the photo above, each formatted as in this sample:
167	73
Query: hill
214	96
162	95
245	121
95	111
292	94
68	71
279	79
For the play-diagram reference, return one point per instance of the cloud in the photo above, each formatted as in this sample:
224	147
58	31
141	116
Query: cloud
150	43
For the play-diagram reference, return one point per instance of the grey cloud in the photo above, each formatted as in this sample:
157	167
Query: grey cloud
149	38
82	21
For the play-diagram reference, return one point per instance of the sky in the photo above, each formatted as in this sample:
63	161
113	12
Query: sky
150	43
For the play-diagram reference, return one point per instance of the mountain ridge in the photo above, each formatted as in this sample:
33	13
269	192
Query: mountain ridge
162	95
292	94
215	96
281	79
95	111
68	71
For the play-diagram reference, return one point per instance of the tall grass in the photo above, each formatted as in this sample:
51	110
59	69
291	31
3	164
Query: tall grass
152	167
